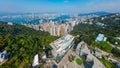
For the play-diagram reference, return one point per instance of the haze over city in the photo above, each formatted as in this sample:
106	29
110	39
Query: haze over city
68	6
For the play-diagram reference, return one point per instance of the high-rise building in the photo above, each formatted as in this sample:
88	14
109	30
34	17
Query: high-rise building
57	29
63	29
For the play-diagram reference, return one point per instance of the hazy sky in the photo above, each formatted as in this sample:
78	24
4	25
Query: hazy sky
81	6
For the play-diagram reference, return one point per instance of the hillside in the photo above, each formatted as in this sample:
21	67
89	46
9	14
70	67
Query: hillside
109	25
22	43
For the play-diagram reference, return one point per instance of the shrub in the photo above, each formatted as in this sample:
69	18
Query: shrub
105	46
78	61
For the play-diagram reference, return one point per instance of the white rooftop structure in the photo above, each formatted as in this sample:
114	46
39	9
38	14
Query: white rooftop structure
3	56
10	23
100	37
118	38
35	61
61	45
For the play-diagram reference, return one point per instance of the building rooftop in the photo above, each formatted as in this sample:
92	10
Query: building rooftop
101	37
61	46
62	42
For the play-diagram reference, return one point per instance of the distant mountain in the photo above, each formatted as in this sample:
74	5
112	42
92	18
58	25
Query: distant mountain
102	13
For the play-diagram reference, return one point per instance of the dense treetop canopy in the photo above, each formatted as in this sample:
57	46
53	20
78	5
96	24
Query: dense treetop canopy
22	43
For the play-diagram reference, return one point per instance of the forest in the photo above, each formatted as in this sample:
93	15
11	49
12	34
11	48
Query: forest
22	43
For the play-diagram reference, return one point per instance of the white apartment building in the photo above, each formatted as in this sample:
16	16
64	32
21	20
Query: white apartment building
61	46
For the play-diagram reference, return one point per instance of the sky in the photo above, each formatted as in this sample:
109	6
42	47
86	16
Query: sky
69	6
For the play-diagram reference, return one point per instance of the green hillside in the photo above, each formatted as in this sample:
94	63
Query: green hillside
111	29
88	32
22	43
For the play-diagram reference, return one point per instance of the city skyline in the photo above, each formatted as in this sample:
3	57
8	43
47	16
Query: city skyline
69	6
